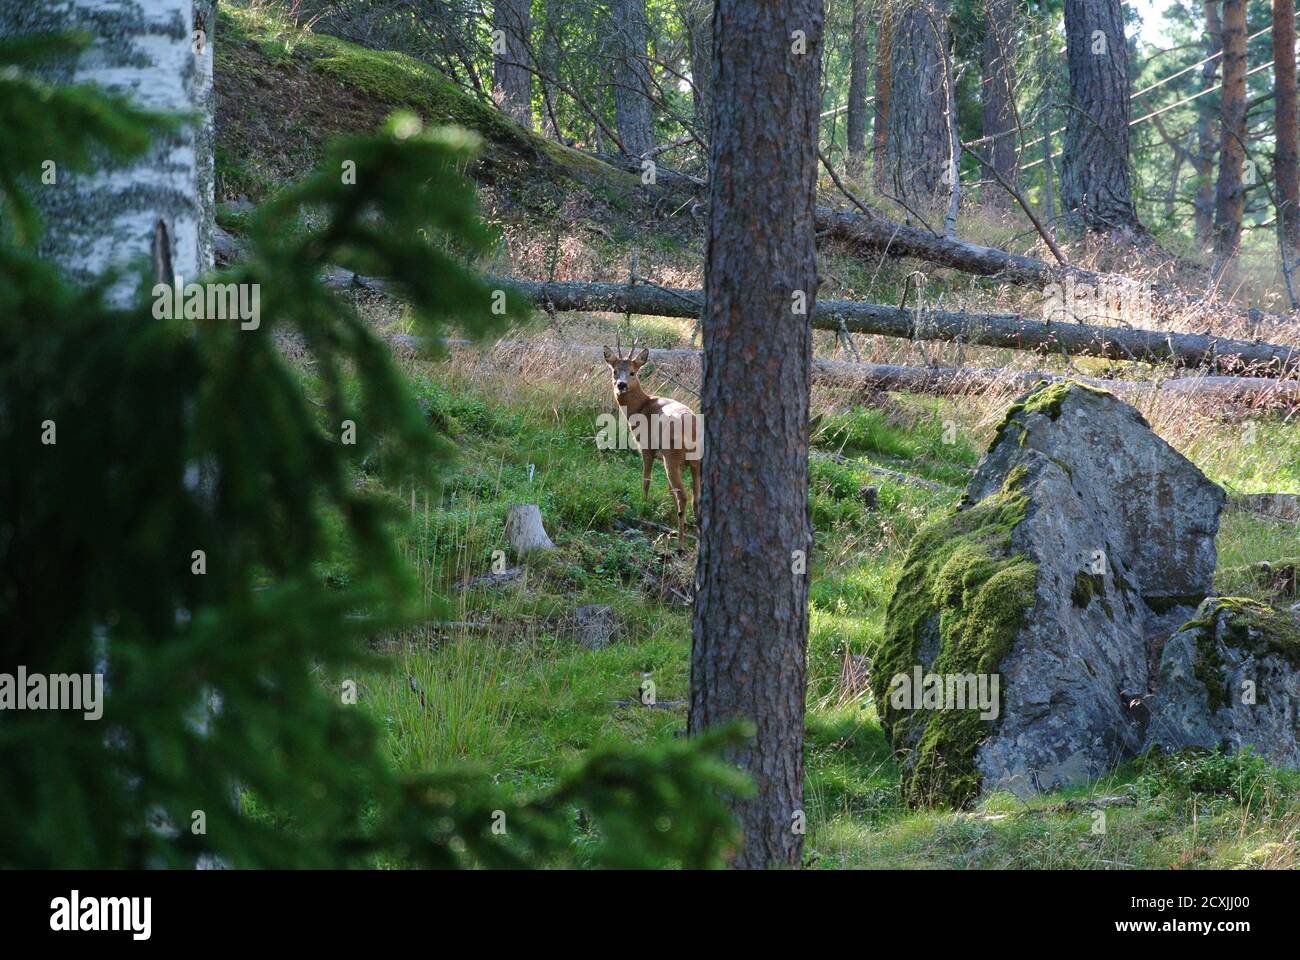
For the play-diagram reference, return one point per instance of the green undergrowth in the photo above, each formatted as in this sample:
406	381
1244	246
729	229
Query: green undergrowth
497	680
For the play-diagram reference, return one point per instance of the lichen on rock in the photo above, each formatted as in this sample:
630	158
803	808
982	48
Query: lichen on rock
1077	514
1230	678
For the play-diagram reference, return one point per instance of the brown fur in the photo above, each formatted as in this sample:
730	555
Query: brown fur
668	432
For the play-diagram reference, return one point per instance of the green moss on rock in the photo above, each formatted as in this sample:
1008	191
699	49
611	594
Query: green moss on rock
962	585
1046	398
1243	623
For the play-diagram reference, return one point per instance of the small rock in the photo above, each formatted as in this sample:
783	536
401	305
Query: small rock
1231	677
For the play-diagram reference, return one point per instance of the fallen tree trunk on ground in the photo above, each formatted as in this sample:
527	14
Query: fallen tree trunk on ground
1257	391
880	236
1004	330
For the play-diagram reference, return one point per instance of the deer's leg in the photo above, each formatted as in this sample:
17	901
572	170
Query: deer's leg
695	490
647	465
673	465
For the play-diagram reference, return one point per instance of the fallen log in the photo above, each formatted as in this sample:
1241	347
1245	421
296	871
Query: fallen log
1003	330
879	235
1259	391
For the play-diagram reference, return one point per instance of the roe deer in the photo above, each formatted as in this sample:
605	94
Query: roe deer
662	428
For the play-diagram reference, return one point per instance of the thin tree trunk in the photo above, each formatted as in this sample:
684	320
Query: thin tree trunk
512	83
751	596
632	111
1286	170
857	107
1049	175
1095	162
697	15
205	141
1208	147
997	88
152	208
1229	195
549	54
880	103
919	149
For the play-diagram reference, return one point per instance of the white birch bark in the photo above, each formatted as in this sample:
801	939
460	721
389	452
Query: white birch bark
109	218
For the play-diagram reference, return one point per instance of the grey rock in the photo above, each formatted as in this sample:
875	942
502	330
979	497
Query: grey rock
1116	515
1230	679
1121	529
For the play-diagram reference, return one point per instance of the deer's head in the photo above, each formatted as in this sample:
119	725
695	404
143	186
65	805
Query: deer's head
623	370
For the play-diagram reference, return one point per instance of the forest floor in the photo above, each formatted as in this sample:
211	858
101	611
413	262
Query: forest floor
506	686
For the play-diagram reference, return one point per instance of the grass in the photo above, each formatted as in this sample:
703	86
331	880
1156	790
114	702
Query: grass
494	677
506	687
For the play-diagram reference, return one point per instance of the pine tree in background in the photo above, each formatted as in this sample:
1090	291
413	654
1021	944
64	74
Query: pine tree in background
164	498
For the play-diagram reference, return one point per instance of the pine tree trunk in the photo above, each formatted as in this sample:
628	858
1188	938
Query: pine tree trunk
880	104
512	83
697	15
997	86
1207	145
919	149
1286	171
110	218
857	107
1095	162
1229	195
632	88
751	593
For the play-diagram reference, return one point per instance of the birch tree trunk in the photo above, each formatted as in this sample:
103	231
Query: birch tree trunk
997	86
632	89
859	66
512	83
1095	162
919	150
1229	195
158	207
751	584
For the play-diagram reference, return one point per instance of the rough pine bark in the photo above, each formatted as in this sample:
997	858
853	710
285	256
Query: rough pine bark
632	89
859	65
918	152
751	585
1095	162
997	86
1286	170
110	219
1229	194
512	83
1207	147
697	15
880	103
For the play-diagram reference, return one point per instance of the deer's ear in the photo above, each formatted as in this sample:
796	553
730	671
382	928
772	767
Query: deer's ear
642	357
609	356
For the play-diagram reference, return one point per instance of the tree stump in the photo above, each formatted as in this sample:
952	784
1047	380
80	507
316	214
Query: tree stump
524	529
595	625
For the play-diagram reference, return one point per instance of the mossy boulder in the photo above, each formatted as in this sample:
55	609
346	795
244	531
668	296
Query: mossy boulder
1230	679
1041	587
